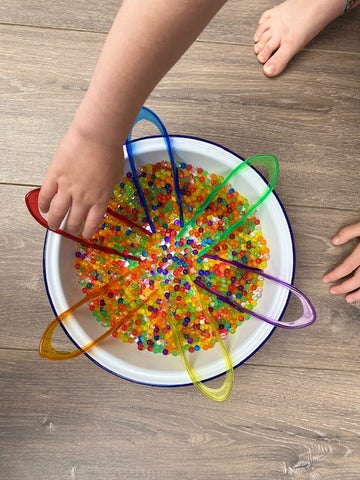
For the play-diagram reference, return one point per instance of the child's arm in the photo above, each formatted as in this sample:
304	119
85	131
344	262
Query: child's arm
145	41
351	265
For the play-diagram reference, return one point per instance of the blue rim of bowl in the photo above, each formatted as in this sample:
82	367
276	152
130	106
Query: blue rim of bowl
242	361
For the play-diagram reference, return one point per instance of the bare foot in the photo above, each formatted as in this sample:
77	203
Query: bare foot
288	27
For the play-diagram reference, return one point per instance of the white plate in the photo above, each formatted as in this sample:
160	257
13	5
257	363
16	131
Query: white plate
124	359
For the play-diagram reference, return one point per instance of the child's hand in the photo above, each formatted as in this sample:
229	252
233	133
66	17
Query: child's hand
351	265
80	180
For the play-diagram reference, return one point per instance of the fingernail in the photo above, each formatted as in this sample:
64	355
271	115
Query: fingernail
349	299
269	69
336	240
256	38
325	278
332	291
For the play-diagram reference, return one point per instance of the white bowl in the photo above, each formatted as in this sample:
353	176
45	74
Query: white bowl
124	359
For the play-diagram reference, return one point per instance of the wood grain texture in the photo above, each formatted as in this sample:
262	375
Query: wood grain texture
295	408
235	23
110	428
304	120
337	324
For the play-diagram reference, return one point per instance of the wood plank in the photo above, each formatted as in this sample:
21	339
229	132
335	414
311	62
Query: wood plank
279	422
295	407
235	23
25	309
308	118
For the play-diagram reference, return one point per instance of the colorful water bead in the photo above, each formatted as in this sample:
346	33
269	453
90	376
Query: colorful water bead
169	265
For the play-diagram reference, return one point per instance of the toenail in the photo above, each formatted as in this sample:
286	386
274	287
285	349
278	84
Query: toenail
269	69
258	47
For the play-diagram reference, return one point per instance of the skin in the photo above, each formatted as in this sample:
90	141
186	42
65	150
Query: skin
137	54
285	30
145	41
349	270
282	32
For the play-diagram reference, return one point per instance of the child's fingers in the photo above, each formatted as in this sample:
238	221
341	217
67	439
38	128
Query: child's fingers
347	286
347	233
353	297
58	209
93	220
77	215
345	268
47	193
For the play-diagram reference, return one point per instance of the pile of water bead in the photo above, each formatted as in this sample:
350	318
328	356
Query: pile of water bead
161	284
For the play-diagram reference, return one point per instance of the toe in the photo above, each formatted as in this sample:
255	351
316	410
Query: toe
279	60
265	16
263	40
268	49
262	27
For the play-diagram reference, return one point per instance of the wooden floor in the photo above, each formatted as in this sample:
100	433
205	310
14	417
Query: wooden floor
295	408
